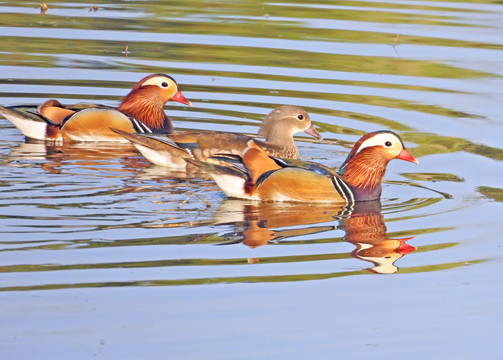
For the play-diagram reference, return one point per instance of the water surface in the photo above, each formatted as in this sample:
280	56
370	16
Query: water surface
103	255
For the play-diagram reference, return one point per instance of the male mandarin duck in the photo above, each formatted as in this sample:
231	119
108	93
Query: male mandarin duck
278	129
255	175
140	111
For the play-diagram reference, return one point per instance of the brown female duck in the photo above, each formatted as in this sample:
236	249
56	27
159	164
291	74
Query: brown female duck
278	129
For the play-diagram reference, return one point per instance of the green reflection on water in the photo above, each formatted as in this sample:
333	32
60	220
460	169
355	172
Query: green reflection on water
492	193
430	144
232	280
257	19
433	177
33	51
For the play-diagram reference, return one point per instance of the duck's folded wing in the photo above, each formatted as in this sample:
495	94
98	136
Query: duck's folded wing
296	184
93	124
308	165
211	143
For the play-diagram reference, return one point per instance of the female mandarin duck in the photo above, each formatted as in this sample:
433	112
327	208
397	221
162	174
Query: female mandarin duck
257	176
140	111
278	129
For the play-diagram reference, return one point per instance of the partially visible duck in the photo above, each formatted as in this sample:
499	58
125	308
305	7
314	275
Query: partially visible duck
255	175
278	129
140	111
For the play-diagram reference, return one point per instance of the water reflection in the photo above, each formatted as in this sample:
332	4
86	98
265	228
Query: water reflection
254	224
260	223
129	255
96	157
366	230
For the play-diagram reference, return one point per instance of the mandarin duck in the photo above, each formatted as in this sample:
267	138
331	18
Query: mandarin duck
278	129
140	111
257	176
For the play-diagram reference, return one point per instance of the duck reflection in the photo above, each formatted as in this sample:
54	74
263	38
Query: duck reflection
256	223
366	230
260	223
118	162
94	156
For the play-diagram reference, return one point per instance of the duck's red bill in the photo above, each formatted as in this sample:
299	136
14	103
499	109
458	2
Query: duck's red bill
181	99
404	155
405	248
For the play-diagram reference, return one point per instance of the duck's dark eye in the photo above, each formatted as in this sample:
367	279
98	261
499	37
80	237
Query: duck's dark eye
164	84
388	143
300	117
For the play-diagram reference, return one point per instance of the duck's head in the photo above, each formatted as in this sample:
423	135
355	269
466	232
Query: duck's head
146	100
366	163
285	121
161	87
382	145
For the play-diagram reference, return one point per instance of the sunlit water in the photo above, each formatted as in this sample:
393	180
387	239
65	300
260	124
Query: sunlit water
105	256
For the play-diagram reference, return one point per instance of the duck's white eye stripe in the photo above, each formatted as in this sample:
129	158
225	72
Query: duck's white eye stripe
157	81
378	140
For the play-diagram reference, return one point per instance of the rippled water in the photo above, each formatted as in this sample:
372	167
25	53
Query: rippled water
105	256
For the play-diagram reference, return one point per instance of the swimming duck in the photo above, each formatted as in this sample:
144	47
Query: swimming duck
278	129
256	175
140	111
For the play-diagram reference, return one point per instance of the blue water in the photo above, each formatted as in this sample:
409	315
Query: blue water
105	256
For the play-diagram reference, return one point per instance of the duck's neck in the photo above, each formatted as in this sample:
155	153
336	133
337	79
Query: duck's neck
283	140
148	110
364	173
